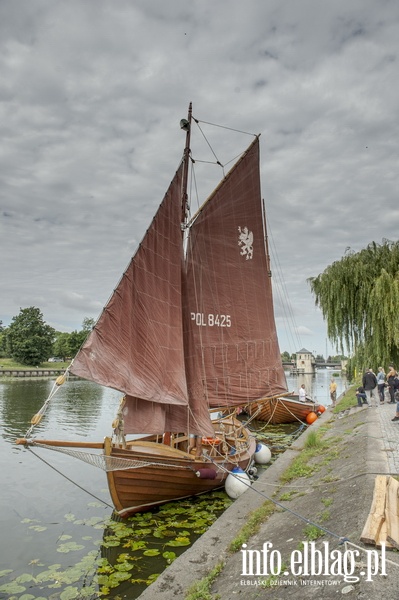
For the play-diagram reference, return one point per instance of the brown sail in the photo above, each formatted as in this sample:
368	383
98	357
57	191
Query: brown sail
136	346
232	351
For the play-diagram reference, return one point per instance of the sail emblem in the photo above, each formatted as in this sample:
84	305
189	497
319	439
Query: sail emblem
245	241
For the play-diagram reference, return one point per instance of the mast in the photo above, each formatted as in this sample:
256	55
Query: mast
185	124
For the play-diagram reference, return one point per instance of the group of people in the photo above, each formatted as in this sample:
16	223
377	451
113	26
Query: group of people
374	386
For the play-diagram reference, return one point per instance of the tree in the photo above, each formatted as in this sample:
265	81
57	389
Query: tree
2	340
29	339
286	356
61	344
359	299
88	324
77	338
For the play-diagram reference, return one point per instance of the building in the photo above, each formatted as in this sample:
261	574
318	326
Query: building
305	361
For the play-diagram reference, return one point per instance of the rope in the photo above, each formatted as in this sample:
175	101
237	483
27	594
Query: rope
277	503
38	416
224	127
70	480
109	463
341	539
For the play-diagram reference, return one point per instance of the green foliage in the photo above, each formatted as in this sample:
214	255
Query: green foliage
201	589
30	350
29	339
313	440
312	532
252	525
61	345
75	340
359	299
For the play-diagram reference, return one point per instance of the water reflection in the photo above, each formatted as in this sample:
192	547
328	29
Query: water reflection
78	408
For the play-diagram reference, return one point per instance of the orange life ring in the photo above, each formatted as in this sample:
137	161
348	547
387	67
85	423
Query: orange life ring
211	441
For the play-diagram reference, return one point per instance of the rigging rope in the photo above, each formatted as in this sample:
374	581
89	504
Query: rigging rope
39	415
109	463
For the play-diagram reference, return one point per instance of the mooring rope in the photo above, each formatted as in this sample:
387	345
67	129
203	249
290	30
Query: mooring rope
69	479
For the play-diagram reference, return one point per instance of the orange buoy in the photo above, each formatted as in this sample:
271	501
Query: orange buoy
311	418
321	409
211	441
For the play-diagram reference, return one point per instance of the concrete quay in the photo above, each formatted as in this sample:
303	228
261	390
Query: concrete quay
337	497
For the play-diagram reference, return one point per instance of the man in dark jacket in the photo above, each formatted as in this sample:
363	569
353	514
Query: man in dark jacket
370	386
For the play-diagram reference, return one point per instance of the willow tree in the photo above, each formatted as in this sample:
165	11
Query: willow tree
359	298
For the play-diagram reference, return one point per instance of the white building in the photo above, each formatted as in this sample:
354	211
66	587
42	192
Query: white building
305	361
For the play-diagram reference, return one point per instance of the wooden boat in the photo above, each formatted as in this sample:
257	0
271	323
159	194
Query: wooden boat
282	409
189	328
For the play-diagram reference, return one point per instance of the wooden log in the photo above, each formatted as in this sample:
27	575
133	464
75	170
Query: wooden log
376	517
383	538
61	443
392	512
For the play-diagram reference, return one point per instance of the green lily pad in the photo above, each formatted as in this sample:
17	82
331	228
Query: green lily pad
69	547
12	588
153	552
5	572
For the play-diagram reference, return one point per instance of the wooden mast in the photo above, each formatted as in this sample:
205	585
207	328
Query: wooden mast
186	126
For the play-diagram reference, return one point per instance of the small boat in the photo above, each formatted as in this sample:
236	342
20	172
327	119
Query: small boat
282	409
189	328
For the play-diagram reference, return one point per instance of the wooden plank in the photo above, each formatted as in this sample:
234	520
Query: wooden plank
61	443
383	538
376	517
392	511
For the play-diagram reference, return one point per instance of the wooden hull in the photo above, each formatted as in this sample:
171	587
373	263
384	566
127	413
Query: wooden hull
166	473
281	410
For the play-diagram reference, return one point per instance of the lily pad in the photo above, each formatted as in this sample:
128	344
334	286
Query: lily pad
153	552
69	547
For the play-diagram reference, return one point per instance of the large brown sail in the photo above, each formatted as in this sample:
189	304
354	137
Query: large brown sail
232	351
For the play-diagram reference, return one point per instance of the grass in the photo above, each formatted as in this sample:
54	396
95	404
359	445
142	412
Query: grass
200	590
327	501
348	400
252	526
312	532
9	363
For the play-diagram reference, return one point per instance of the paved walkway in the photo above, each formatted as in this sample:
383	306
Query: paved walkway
390	434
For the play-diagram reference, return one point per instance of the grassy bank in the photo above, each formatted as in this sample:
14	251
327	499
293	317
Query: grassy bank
9	363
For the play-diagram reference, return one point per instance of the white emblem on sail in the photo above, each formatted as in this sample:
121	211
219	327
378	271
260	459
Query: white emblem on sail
245	241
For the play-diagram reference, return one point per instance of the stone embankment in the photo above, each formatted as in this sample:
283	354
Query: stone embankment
33	373
336	497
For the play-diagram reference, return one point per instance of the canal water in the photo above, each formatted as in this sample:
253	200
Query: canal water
52	506
317	386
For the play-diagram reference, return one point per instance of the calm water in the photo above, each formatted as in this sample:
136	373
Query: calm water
318	386
40	508
35	498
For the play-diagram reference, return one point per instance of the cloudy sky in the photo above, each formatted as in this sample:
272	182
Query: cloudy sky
91	95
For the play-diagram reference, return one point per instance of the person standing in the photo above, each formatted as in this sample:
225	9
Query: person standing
370	385
333	391
381	383
391	375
